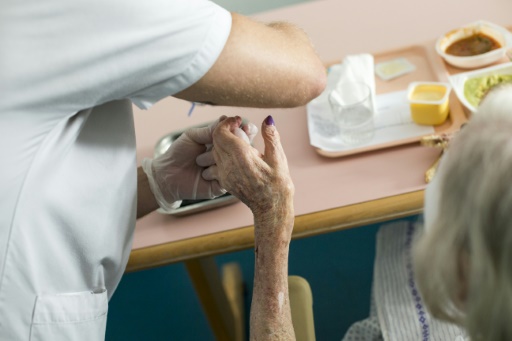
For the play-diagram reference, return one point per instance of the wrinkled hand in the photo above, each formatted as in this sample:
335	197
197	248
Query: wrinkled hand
262	182
246	132
176	175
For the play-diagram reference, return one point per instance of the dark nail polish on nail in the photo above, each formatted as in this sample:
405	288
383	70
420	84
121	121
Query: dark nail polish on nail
269	121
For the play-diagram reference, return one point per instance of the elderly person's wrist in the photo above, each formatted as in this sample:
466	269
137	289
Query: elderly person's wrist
275	196
274	223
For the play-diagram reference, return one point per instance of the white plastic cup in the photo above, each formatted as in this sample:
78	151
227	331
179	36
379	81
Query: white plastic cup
351	105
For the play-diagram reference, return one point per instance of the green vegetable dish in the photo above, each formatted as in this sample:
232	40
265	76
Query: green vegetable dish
476	88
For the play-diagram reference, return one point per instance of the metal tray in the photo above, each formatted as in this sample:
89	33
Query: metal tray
190	206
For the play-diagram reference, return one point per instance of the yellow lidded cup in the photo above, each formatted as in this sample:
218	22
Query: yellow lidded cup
429	102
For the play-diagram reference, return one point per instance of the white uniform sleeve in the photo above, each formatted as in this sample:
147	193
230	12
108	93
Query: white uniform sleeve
179	48
88	52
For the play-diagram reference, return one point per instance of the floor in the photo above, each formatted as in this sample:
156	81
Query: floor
160	304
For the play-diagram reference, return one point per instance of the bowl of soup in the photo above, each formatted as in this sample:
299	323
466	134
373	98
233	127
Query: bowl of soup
474	45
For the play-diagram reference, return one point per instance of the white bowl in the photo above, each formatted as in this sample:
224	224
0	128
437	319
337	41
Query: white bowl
498	33
459	80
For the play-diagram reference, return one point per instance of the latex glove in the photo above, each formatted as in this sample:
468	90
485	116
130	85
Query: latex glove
175	175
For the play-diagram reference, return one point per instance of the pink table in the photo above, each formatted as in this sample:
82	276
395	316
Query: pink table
337	28
330	193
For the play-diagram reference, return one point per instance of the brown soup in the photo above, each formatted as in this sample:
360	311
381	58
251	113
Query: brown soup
471	46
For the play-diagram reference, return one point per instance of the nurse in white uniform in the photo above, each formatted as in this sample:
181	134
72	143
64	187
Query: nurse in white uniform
69	73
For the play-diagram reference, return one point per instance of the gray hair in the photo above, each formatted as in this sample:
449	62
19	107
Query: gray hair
463	260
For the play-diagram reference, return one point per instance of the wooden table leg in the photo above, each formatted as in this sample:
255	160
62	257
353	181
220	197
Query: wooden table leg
222	301
232	281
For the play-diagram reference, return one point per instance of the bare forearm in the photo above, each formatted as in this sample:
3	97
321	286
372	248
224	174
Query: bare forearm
264	184
146	202
262	65
270	308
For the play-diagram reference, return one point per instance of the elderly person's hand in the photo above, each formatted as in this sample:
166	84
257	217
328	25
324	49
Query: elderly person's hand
176	175
263	183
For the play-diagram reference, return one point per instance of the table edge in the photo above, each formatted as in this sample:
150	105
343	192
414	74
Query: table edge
307	225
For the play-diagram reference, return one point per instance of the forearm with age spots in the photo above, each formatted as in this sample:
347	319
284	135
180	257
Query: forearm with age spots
270	309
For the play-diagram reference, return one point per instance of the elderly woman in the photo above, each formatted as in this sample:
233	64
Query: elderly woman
463	260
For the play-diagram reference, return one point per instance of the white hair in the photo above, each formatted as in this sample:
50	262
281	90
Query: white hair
463	260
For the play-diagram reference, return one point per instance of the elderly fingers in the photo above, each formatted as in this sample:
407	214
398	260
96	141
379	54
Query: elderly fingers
274	154
206	159
223	136
203	135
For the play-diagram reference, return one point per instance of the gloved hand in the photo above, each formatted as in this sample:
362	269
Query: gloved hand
176	175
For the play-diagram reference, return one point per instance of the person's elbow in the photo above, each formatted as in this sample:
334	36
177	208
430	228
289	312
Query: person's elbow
310	85
316	83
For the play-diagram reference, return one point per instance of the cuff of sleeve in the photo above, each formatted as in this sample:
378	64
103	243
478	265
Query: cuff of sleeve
164	205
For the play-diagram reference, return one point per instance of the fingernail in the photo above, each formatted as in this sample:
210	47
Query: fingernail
269	121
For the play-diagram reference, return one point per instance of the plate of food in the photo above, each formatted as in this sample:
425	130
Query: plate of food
471	87
474	45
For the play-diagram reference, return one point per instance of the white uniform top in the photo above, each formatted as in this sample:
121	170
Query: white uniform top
69	71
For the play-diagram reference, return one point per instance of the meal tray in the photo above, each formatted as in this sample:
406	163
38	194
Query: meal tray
429	68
